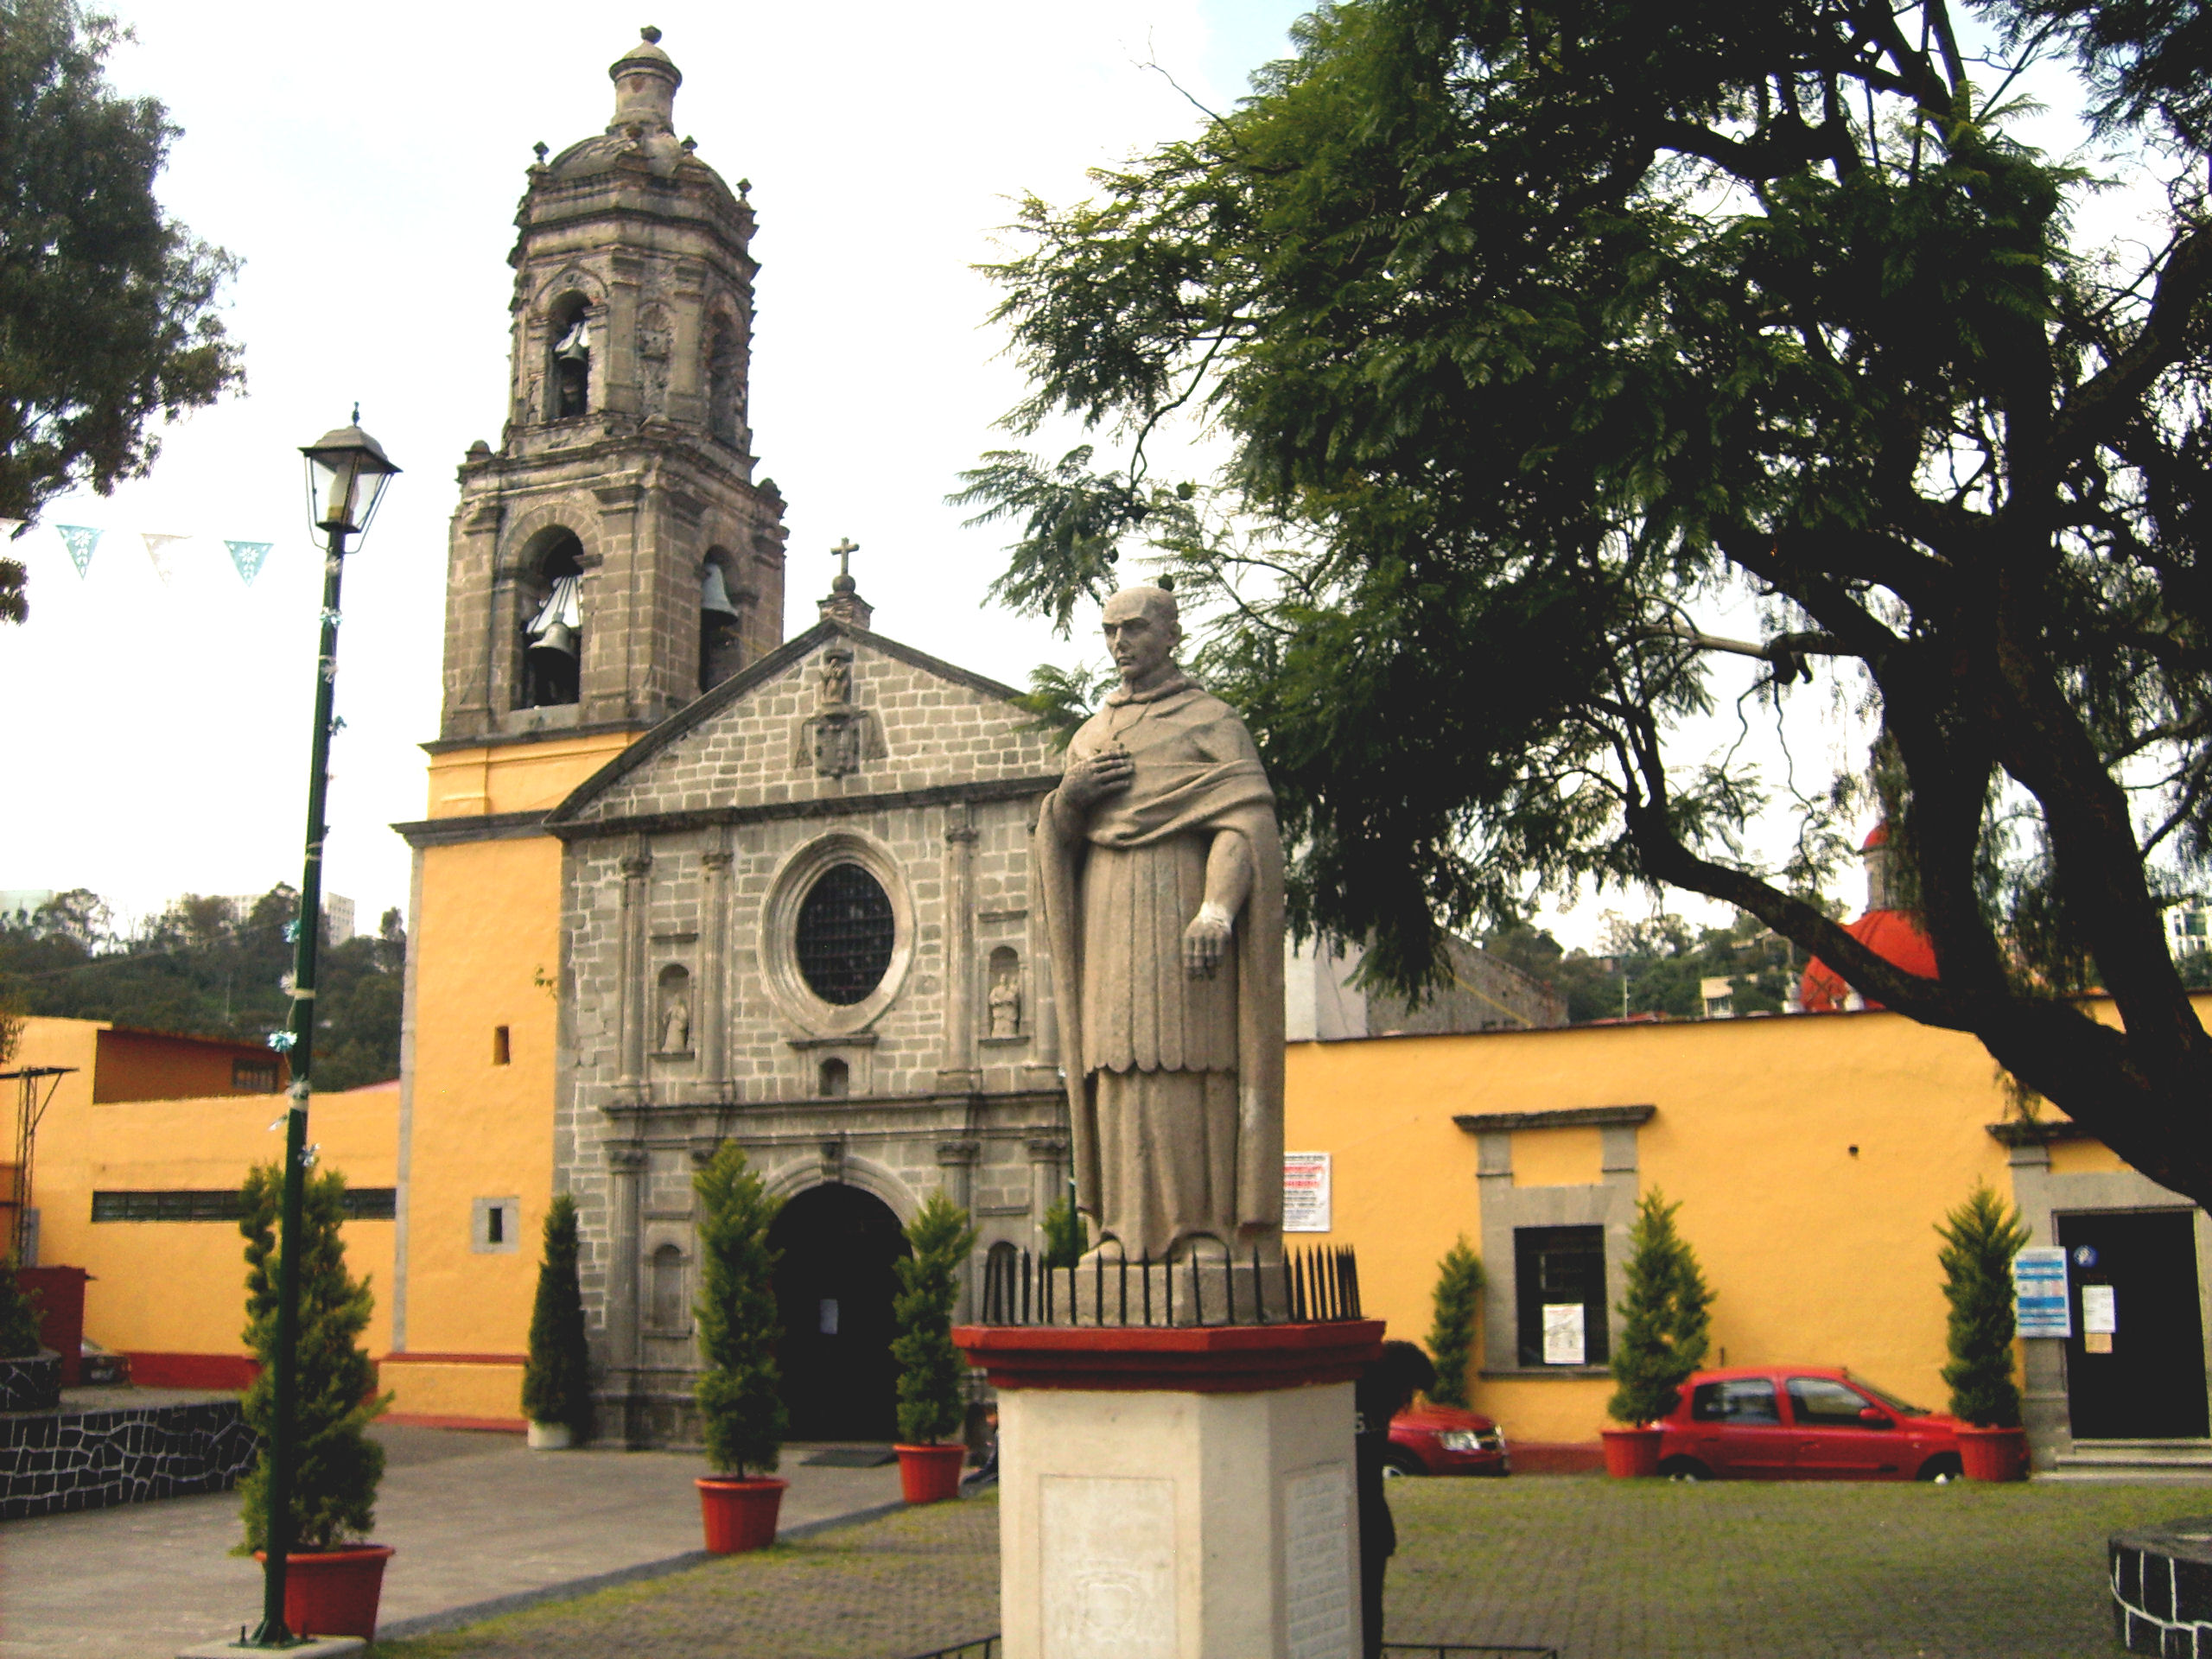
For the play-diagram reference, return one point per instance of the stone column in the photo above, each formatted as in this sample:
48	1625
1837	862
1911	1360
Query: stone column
955	1162
626	1164
1046	1185
631	1084
710	1010
958	1074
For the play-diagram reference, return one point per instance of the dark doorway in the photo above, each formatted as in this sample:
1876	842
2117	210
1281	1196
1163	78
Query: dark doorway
834	1288
2141	1378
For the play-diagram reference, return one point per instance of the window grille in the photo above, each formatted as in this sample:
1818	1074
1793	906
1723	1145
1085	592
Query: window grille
225	1203
1555	1265
845	933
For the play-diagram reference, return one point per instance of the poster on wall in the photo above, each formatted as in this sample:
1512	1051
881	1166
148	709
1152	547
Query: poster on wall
2100	1318
2040	1307
1306	1192
1563	1333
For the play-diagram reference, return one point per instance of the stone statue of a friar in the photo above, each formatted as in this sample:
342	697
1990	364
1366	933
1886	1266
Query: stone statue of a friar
1160	869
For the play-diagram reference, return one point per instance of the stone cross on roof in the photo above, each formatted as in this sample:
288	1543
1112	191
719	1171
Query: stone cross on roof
845	603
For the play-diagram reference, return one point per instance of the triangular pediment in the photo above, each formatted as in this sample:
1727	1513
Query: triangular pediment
834	713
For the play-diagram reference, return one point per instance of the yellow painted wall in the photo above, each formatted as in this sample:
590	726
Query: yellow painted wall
486	951
1811	1156
180	1286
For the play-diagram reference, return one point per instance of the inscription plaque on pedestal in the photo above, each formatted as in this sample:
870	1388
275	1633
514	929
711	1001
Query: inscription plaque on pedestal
1109	1551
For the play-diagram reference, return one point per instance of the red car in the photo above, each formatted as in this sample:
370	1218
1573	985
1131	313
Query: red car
1803	1422
1428	1439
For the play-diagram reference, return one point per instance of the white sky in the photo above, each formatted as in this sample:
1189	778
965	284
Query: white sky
367	174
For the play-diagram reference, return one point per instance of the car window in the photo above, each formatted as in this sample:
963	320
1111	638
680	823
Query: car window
1740	1400
1884	1397
1816	1401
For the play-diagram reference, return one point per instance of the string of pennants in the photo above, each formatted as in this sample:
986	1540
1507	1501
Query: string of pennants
81	541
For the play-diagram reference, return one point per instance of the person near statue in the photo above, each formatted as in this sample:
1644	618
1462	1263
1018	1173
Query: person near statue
1160	868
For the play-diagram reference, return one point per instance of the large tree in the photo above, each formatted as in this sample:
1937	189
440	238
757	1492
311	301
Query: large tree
106	305
1539	331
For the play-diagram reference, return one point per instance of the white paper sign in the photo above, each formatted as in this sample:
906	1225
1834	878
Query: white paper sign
2040	1306
1563	1339
1306	1192
2099	1311
827	1316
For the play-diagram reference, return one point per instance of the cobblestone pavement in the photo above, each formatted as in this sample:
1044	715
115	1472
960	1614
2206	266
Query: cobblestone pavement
1598	1569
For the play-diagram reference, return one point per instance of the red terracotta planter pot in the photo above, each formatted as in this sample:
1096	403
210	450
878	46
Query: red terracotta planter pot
930	1474
1631	1453
739	1514
1993	1453
334	1592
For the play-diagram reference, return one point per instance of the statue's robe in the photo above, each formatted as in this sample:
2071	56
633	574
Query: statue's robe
1174	1084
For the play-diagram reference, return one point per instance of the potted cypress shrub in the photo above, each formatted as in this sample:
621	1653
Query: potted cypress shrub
1665	1327
1452	1331
740	1399
333	1578
1980	1238
556	1378
929	1367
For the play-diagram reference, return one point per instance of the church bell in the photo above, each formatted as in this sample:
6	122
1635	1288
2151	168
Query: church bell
554	628
714	593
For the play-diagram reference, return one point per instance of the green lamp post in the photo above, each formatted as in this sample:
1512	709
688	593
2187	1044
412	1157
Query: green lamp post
347	471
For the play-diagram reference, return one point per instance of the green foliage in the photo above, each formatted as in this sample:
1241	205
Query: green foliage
203	967
1066	1235
107	306
1063	698
18	1313
556	1378
1535	331
335	1466
1452	1332
1980	1238
1665	1322
931	1368
740	1396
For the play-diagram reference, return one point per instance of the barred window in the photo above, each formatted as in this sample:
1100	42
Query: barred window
845	934
225	1203
253	1076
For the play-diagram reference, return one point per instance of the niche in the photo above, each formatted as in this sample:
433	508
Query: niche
726	383
672	1014
1002	995
837	1079
666	1302
553	627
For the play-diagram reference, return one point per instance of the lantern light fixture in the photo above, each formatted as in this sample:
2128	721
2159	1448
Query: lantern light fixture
347	471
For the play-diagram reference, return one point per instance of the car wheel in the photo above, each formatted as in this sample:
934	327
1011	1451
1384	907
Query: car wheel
1685	1469
1944	1465
1396	1464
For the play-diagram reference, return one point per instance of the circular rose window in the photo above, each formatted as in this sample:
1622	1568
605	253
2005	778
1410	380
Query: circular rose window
846	931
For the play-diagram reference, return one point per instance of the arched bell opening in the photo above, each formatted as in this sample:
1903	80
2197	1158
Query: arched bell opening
722	623
569	373
839	1250
553	627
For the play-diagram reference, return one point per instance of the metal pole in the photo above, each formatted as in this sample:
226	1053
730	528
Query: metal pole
273	1632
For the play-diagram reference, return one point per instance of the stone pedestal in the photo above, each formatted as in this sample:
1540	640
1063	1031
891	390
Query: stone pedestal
1179	1493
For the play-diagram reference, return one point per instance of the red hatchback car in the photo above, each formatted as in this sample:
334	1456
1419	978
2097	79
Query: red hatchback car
1428	1439
1803	1422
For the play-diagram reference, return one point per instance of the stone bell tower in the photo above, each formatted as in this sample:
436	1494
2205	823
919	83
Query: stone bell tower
613	557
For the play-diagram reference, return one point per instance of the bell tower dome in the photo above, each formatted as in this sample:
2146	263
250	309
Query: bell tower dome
613	557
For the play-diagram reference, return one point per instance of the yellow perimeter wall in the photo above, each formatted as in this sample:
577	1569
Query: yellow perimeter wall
486	948
1818	1256
179	1288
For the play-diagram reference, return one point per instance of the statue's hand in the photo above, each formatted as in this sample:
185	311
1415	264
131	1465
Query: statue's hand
1205	940
1098	774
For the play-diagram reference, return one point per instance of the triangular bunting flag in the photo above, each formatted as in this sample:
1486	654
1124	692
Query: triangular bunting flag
157	549
248	557
80	542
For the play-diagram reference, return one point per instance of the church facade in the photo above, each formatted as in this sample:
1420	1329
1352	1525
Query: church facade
681	880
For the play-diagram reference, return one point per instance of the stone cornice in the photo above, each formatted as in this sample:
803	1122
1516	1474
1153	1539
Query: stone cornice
2016	1132
832	806
483	826
1569	1117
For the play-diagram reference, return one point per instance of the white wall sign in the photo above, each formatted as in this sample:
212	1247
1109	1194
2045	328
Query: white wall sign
1563	1333
2040	1306
1306	1192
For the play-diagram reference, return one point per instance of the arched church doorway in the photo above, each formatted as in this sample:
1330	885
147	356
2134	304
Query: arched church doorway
834	1286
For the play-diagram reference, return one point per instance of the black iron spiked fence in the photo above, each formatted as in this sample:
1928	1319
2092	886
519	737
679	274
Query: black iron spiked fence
1310	1287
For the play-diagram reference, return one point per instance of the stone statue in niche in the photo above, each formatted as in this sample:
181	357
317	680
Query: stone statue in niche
1005	1004
840	735
1160	867
676	1024
656	348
